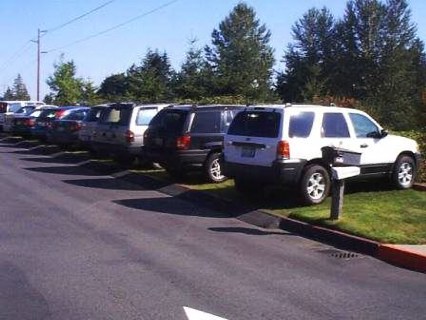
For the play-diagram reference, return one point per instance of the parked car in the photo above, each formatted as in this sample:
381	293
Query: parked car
279	144
88	125
45	119
182	138
120	129
24	125
64	131
10	107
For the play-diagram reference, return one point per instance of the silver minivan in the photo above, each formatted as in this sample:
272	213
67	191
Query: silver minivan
120	129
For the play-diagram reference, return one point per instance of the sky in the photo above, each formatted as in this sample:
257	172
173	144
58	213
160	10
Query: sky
105	37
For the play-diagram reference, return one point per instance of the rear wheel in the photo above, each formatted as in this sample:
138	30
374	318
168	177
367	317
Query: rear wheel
404	172
315	184
213	168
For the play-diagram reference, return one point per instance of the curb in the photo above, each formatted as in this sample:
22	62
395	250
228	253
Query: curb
419	186
402	257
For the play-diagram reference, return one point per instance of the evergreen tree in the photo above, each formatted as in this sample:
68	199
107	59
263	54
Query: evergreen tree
89	95
8	95
65	86
190	82
309	61
19	89
114	88
151	81
240	57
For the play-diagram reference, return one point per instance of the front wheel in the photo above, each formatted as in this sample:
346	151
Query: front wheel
315	184
404	172
213	168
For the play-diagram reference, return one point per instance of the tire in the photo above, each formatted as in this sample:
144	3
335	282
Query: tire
315	184
213	169
403	174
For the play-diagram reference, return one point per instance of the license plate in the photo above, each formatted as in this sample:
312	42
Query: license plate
248	152
158	141
61	129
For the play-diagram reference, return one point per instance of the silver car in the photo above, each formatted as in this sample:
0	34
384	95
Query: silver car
120	129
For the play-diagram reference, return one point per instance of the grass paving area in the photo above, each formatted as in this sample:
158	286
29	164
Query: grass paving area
370	210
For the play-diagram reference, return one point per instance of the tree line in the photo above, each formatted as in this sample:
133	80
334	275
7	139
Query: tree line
371	58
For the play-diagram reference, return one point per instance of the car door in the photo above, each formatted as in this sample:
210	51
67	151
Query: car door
335	131
375	147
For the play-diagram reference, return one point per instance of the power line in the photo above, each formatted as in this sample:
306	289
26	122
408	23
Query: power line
23	49
79	17
116	26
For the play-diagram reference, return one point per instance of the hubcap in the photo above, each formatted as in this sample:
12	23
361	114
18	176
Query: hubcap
405	174
316	186
215	170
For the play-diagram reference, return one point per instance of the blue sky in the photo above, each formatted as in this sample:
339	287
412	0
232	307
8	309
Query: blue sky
167	29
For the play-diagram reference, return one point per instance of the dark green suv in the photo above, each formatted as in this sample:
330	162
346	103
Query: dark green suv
183	138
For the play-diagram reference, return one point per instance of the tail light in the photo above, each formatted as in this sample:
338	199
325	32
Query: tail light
129	136
29	122
183	142
283	150
75	126
59	114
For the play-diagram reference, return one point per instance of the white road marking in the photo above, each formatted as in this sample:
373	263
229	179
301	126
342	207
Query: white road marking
193	314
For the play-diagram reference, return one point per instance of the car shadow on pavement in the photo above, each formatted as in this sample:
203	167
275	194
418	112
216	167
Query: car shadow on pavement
105	183
65	158
250	231
171	205
70	170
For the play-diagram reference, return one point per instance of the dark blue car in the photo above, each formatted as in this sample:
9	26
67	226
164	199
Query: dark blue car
65	131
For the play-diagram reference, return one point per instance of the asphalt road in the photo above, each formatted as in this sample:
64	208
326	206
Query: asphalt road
80	244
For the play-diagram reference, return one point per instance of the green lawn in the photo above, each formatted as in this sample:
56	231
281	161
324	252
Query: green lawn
372	211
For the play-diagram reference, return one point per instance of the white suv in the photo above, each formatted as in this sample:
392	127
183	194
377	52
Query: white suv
283	144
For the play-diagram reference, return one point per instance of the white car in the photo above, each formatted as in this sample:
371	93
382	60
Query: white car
269	144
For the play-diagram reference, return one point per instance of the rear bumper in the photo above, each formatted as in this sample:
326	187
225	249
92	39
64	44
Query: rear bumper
281	172
116	149
177	159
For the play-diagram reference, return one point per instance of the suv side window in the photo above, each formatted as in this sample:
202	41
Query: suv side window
145	115
334	126
301	124
206	122
363	126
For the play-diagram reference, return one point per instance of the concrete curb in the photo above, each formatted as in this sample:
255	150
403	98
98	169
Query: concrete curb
402	257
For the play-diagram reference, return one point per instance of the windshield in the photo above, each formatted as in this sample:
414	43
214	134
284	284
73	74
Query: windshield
256	124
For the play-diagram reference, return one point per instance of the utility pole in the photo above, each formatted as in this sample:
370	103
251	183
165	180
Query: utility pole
39	32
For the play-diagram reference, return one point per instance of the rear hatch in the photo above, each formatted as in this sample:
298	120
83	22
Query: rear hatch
253	137
162	134
113	126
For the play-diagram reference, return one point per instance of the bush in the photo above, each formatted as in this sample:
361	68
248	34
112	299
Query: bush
420	137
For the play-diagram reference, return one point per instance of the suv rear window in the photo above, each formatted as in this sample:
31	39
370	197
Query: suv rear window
93	114
172	120
256	124
117	115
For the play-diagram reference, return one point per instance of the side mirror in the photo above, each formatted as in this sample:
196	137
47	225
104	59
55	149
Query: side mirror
384	133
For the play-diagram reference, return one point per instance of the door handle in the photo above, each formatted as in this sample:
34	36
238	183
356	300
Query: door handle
364	145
